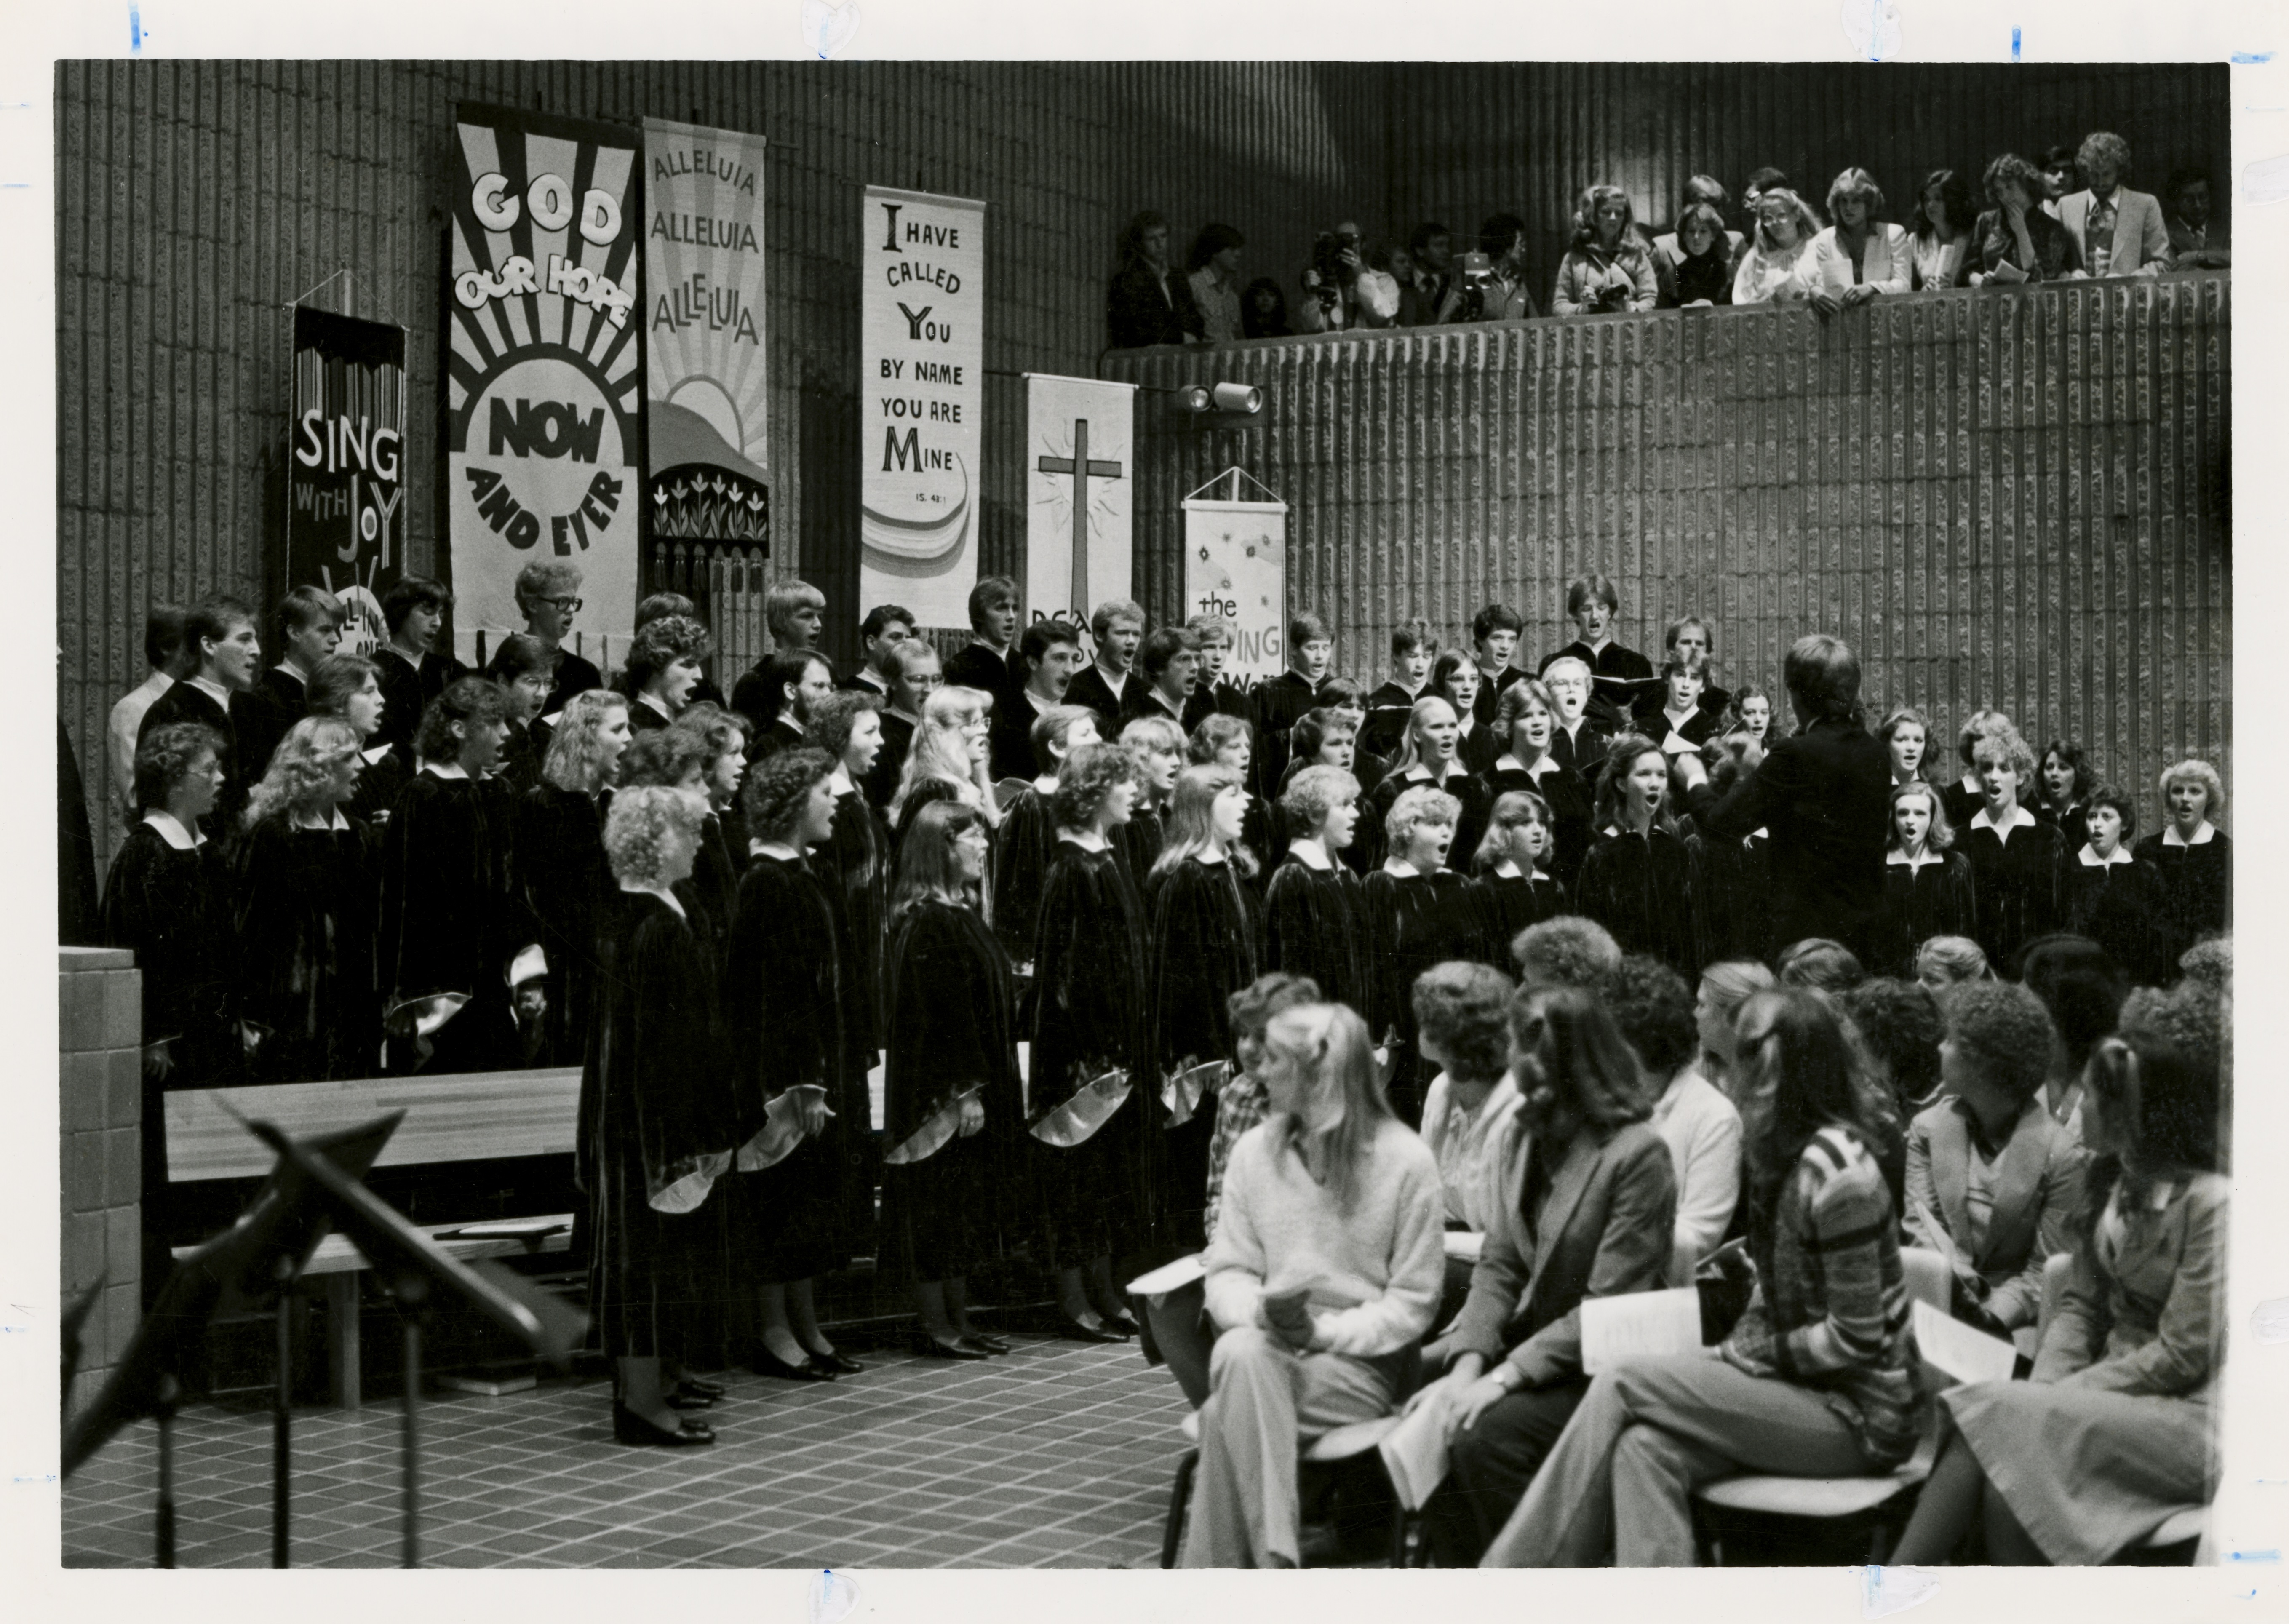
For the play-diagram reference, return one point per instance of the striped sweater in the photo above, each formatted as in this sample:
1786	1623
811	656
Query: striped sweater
1830	1307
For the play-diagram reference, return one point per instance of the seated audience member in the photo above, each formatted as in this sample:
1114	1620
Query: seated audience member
1863	255
2116	1431
1634	880
1817	1380
1414	651
1905	735
1900	1028
794	613
413	673
912	669
1049	657
1941	228
1150	301
1282	701
171	659
1760	182
1949	961
2061	791
1264	311
2197	242
1992	1179
1566	951
1700	236
2083	988
1462	1022
1455	678
1605	269
1818	964
1777	269
1495	632
1212	271
219	696
1526	722
1927	886
1589	1210
1314	909
2015	241
1109	684
549	595
1322	1275
2114	898
2056	178
2121	231
988	662
1430	759
1340	292
2193	855
1169	662
2018	863
1621	674
1654	1008
1515	889
1725	986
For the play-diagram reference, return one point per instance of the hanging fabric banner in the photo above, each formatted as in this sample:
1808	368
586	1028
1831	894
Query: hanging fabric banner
1080	477
706	381
922	392
346	479
544	374
1236	566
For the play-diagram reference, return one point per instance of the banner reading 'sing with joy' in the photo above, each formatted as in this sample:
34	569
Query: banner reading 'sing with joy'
544	376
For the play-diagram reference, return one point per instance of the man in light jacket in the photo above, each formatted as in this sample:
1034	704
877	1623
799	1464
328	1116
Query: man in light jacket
2121	232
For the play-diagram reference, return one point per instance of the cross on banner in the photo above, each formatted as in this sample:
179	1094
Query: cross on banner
1082	470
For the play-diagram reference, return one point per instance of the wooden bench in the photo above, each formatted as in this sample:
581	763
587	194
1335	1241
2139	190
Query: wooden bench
463	1118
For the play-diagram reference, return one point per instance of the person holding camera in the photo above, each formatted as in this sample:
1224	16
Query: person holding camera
1340	293
1608	269
1490	284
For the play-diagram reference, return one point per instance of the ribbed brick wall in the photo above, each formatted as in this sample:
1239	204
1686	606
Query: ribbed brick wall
101	1115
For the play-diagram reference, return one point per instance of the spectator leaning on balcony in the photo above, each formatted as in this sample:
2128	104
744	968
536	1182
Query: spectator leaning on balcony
1215	280
1713	255
2121	231
1942	240
2056	178
1608	269
2196	243
1148	302
1264	310
1425	292
2015	241
1502	238
1776	269
1340	293
1861	255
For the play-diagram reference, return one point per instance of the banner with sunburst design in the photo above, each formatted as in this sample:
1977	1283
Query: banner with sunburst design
707	381
544	368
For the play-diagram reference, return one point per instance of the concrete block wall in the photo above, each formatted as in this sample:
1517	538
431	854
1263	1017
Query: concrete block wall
100	1119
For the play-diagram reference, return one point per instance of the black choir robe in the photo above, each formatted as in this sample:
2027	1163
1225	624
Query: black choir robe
1513	903
1640	888
890	760
1140	841
1470	826
711	895
655	1126
1490	693
278	699
2197	885
1024	848
574	677
1732	898
1389	708
2020	886
1571	802
1091	689
1654	721
453	915
988	670
388	768
2122	906
1414	921
950	1028
1618	678
1092	1012
1959	804
781	735
567	881
522	752
1315	925
1009	739
1583	750
306	912
644	717
748	698
1206	945
1279	704
187	702
1222	697
2073	823
789	1002
1927	900
1479	749
857	859
406	691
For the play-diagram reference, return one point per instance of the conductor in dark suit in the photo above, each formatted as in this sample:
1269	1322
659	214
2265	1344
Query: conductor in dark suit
1589	1210
1822	794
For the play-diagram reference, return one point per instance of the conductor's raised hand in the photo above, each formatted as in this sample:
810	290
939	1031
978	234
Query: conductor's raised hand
973	1115
812	1115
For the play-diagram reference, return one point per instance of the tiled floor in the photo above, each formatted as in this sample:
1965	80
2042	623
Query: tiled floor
1060	1455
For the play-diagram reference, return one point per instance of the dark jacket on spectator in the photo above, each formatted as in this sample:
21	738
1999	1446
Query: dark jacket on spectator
1992	242
1142	308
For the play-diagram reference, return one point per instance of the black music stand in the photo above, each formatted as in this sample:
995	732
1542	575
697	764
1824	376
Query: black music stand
416	1270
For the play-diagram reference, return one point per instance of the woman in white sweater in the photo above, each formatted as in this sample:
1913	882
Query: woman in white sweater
1323	1274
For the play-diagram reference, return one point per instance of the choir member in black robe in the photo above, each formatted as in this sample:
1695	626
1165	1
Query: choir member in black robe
783	696
1229	743
1928	890
308	625
1390	706
1495	632
549	596
306	885
348	686
1217	694
795	614
1514	893
1527	717
953	1102
1673	709
560	864
1281	702
989	663
2061	798
167	901
855	859
663	671
1578	740
1159	746
519	668
413	671
1314	908
657	1123
2193	855
715	883
948	761
1206	945
453	913
1111	684
1027	841
1327	738
1635	881
2116	900
913	672
1962	799
1905	735
1429	761
1419	912
2018	862
791	999
1099	1174
1455	678
218	696
1621	675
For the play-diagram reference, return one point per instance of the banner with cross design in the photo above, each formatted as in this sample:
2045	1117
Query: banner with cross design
1080	479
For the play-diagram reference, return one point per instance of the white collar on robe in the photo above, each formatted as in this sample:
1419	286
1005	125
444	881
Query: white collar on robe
171	831
1926	857
445	769
1401	867
2021	818
655	703
303	820
1508	870
373	756
2089	858
644	888
839	780
1311	854
215	691
2202	836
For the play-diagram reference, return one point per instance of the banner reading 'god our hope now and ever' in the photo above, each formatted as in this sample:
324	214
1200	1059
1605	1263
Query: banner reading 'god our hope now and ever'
545	375
921	396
